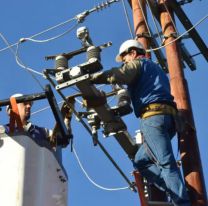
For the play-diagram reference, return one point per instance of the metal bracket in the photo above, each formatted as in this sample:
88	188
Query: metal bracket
171	35
72	82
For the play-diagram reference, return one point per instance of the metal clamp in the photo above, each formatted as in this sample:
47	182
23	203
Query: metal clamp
171	35
143	35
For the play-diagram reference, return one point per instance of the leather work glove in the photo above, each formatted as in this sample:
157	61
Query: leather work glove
99	78
65	110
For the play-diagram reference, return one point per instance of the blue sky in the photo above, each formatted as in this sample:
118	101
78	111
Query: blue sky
22	19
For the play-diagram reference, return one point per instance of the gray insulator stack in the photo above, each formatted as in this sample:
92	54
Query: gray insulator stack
93	52
61	63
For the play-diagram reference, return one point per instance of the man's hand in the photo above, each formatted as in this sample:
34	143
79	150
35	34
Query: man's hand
100	78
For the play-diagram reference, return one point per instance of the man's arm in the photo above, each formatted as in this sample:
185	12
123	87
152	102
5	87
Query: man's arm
123	75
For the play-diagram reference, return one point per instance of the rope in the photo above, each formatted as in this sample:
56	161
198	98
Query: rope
199	22
127	19
90	179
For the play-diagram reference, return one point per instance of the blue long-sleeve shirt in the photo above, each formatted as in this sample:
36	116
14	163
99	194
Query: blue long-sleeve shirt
146	81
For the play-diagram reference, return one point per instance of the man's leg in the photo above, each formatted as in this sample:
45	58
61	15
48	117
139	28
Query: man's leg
148	169
156	132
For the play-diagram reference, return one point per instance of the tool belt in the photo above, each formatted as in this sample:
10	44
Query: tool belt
156	109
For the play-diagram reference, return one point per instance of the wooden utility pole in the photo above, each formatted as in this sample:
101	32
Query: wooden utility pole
140	27
143	36
189	149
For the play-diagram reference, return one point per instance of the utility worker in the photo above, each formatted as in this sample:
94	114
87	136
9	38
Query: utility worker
152	101
40	135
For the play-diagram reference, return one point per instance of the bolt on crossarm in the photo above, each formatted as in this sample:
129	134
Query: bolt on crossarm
189	149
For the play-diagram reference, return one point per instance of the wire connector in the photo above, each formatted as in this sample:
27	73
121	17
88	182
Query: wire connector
81	17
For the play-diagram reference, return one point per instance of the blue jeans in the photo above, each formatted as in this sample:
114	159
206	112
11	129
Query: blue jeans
155	160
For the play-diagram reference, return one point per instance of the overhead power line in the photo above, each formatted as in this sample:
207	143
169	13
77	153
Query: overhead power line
40	33
80	18
50	39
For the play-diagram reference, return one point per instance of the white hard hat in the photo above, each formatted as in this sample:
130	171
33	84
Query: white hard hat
14	95
128	44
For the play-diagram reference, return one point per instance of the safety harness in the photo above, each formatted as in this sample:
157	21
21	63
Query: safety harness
14	116
158	108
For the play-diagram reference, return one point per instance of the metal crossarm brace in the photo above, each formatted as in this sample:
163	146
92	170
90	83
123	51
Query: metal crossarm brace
187	25
106	115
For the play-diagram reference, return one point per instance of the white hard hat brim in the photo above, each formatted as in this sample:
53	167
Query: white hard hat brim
119	58
128	44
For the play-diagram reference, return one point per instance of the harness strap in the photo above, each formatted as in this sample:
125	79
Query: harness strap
14	116
156	109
